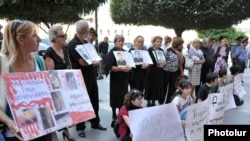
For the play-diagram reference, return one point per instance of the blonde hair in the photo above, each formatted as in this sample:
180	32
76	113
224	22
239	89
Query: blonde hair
10	46
137	37
53	32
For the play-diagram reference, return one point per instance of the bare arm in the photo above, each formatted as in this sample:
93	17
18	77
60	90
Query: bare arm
49	63
13	128
126	119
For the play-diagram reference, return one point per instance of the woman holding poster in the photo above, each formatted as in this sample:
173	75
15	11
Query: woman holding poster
19	43
56	57
154	89
138	75
118	78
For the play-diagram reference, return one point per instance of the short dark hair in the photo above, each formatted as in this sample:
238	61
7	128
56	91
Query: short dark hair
234	69
184	84
222	72
92	30
210	77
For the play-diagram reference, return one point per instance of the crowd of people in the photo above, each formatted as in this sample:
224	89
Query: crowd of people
157	83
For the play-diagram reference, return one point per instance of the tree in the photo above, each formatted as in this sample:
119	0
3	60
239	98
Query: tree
230	33
180	14
48	12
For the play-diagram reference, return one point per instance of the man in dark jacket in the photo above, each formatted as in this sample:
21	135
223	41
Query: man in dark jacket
88	72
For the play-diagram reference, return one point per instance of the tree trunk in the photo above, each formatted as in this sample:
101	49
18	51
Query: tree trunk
179	31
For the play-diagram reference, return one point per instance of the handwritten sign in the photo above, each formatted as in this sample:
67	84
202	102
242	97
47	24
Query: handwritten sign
43	102
159	123
197	116
227	91
210	111
238	88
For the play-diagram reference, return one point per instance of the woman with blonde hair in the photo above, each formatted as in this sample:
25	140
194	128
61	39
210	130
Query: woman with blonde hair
138	75
196	54
221	55
19	44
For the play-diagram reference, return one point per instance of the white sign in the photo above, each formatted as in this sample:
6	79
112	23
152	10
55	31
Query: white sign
158	123
88	53
124	58
141	57
44	102
238	88
197	116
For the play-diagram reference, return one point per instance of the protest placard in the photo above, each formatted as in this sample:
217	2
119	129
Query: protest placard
141	57
43	102
158	123
159	56
210	111
197	116
228	92
124	58
88	53
237	85
218	103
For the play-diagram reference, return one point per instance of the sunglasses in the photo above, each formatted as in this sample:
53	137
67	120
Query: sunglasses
15	24
62	36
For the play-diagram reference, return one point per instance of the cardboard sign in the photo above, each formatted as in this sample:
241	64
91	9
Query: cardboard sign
43	102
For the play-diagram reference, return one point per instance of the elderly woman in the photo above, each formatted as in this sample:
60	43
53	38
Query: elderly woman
19	43
138	78
56	57
196	54
154	88
118	77
174	67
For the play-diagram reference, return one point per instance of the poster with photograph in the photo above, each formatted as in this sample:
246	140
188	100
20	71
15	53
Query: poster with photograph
141	57
44	102
159	56
124	58
88	53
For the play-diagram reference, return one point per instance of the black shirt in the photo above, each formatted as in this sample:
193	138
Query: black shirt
88	72
60	63
103	47
203	92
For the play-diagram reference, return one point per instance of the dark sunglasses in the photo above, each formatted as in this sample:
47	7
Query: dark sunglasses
15	24
62	36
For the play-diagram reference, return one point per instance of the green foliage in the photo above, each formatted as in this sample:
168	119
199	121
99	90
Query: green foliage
230	33
180	14
47	11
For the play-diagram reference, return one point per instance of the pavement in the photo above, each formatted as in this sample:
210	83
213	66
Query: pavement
239	115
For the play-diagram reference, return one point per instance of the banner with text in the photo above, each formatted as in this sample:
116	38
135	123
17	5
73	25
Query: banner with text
43	102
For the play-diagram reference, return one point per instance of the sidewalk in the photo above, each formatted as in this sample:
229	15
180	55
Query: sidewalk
239	115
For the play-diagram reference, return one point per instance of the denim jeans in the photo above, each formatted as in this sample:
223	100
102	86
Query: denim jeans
1	137
183	113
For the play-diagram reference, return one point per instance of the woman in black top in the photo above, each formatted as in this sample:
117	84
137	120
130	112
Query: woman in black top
56	57
154	88
138	75
118	77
